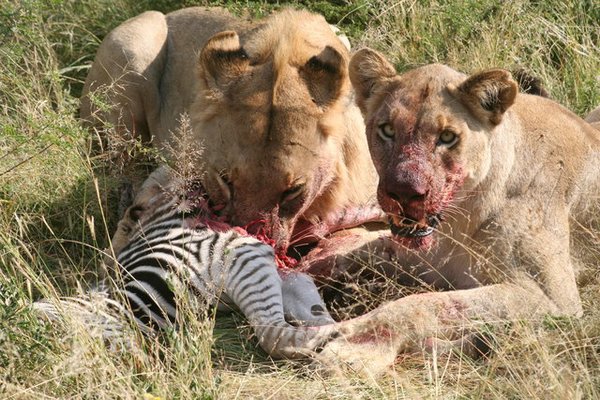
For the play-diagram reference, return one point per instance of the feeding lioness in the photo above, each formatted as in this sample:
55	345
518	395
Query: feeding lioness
269	101
480	183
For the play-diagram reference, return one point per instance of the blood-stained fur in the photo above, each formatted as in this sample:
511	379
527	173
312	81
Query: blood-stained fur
482	186
269	101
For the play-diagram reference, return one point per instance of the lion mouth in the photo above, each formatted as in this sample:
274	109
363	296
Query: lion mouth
408	228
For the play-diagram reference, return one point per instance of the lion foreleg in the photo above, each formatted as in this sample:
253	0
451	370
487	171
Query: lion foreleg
415	322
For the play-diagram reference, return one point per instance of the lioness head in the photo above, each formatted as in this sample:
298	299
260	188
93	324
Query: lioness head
428	132
270	114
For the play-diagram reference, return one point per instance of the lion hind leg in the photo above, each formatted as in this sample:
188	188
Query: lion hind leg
121	92
120	104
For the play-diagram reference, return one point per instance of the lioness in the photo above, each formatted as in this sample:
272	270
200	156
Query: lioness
480	183
270	101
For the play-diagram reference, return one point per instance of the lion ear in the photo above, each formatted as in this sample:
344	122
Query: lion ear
325	75
487	94
367	68
222	59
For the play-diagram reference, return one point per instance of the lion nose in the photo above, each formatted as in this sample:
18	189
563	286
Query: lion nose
407	193
411	197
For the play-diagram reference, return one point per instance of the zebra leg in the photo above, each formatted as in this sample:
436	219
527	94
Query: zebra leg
94	311
255	287
302	303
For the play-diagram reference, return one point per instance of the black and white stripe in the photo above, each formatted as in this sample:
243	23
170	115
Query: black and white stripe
164	251
172	249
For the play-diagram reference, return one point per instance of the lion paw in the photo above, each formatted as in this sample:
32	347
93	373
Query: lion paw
341	356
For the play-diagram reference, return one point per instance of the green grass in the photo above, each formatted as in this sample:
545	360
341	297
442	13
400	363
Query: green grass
57	213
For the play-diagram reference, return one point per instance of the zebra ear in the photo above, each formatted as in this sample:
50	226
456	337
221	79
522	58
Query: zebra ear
134	213
222	59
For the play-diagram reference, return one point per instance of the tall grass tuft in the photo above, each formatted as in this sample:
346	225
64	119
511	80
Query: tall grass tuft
557	41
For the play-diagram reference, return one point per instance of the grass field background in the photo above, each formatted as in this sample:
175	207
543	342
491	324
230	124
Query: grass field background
56	213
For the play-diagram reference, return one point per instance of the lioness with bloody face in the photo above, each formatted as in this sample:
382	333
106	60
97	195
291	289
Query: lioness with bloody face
481	184
269	101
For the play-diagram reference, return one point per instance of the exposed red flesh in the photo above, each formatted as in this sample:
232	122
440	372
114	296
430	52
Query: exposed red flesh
304	233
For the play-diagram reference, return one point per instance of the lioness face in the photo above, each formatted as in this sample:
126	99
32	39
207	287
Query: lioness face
267	119
428	134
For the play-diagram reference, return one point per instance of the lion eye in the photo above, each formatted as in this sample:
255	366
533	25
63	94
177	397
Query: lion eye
292	193
385	131
447	138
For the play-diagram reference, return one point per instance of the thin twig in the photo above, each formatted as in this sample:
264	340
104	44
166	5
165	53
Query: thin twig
26	160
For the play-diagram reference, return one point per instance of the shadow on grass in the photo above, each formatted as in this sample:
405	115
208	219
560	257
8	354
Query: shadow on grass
64	238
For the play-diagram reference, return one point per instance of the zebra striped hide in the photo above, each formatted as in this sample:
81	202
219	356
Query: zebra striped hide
164	249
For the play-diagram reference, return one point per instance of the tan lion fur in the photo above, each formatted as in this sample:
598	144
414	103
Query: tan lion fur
270	101
529	169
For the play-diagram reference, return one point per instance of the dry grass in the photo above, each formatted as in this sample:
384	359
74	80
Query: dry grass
57	213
